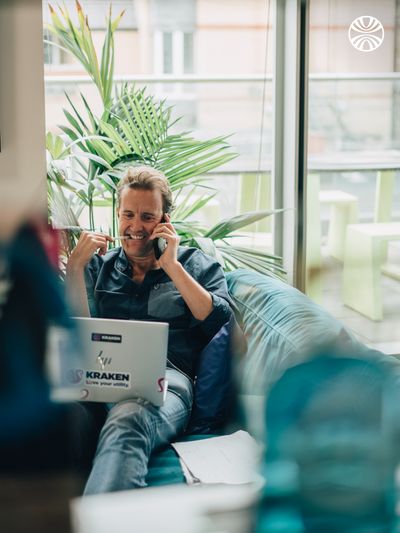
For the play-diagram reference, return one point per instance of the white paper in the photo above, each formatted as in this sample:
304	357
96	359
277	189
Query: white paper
190	480
231	459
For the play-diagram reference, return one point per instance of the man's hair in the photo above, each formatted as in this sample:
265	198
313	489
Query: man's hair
148	179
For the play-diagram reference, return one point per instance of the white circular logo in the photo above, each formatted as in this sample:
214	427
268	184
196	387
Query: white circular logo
366	33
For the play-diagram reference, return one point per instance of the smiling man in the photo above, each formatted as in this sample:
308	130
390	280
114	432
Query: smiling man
183	287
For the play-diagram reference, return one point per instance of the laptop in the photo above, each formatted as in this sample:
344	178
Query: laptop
112	360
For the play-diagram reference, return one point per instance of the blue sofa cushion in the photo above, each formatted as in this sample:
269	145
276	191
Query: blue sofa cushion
282	327
213	391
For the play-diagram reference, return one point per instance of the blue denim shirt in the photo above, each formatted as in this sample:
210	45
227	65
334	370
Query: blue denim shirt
113	294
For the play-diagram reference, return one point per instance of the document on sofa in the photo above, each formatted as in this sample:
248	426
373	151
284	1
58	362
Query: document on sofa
231	459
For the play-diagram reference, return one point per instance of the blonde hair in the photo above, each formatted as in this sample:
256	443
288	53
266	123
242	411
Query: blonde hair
148	179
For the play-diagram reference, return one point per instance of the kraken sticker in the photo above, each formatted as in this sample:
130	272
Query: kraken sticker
106	337
94	378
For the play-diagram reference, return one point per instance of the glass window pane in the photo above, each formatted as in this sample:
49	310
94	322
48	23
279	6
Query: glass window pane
353	197
167	53
188	53
47	48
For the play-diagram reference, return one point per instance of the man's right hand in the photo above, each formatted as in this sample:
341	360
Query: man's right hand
87	245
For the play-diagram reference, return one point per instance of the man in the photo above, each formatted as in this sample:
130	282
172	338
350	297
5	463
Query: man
184	287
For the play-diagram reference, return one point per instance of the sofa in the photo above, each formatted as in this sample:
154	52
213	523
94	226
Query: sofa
282	327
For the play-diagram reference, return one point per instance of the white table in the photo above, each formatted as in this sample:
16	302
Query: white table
385	163
168	509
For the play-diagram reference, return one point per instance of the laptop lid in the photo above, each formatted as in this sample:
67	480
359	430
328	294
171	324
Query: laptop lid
116	360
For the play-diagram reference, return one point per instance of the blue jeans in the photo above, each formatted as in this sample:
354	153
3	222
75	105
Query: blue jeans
132	430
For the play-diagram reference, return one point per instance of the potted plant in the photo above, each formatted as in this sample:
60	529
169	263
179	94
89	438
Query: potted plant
134	128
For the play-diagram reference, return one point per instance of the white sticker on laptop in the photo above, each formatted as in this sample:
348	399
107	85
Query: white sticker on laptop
104	379
106	337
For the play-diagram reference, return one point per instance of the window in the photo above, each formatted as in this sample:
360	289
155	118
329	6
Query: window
53	55
353	184
173	52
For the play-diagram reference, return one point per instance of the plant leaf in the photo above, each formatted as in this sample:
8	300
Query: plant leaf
227	226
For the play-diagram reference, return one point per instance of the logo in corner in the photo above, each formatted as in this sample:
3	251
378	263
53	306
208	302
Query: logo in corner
161	383
75	376
366	33
84	394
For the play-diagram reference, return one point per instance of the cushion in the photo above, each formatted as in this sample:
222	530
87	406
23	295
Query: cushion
213	391
282	327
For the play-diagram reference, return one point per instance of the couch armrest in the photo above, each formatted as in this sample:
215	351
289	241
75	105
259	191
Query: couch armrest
282	327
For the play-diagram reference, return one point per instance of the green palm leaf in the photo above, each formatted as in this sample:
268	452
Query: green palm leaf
79	42
191	202
227	226
248	258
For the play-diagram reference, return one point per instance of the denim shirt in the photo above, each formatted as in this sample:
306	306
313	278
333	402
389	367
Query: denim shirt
113	294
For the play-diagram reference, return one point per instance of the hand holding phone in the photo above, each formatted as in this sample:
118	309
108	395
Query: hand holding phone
166	244
159	244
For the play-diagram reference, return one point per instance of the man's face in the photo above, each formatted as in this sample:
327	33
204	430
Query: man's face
139	213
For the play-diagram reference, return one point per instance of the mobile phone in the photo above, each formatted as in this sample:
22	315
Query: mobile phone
159	244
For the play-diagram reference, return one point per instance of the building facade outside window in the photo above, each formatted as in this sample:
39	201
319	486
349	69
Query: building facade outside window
173	52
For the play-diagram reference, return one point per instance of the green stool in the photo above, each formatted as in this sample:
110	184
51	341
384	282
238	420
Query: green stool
365	252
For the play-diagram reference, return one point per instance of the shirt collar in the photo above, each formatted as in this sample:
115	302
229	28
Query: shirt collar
123	265
122	262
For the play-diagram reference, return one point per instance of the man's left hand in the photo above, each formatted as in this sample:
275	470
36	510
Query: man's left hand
165	230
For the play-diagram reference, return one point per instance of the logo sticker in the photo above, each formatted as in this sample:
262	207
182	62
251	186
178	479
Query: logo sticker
103	361
103	379
84	394
366	33
74	376
160	383
106	337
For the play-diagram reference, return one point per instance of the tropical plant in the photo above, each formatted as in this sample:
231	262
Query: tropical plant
134	128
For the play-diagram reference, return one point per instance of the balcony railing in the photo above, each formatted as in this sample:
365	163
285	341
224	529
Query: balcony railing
344	114
196	78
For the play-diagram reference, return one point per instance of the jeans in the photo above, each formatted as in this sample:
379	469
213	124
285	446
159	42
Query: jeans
132	430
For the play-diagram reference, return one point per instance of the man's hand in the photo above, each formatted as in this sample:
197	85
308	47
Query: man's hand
87	245
169	258
195	296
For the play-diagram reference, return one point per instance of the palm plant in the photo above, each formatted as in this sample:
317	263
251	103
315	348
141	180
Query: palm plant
135	128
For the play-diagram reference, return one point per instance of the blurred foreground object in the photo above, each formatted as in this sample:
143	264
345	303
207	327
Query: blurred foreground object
333	447
22	115
39	459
